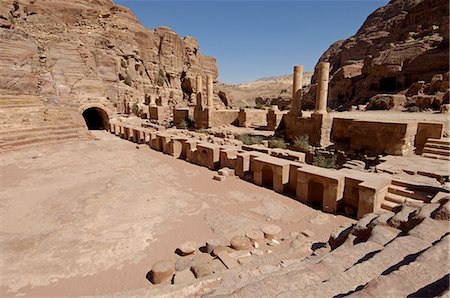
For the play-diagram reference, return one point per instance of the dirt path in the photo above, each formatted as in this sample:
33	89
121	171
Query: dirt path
91	217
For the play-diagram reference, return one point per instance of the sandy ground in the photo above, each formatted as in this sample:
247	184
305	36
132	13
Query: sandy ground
91	217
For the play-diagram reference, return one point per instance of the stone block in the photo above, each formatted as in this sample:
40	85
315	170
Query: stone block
240	243
183	277
162	271
202	270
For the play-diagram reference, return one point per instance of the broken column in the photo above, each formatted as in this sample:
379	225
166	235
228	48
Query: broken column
209	91
199	88
322	88
296	108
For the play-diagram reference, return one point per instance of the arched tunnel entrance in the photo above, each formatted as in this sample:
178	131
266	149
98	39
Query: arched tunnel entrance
96	119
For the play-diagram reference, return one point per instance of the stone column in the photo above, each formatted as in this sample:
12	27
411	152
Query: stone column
209	91
322	88
296	106
199	88
152	100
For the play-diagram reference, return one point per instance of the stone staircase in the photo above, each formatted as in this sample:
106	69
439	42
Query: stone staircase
384	254
400	192
28	120
437	149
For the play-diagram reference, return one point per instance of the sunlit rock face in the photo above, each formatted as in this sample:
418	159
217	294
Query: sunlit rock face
94	49
400	44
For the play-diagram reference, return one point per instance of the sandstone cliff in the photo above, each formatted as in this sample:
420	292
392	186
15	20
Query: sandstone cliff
401	48
94	50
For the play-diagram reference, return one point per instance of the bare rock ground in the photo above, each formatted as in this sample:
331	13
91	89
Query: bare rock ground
91	217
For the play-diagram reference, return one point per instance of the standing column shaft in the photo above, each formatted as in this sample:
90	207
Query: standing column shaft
322	88
199	88
296	106
209	91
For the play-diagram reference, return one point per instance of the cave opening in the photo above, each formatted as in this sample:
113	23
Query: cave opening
96	119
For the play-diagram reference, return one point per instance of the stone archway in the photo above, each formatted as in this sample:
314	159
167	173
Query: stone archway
96	118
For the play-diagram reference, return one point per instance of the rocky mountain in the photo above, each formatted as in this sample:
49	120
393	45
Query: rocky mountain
86	50
402	47
263	91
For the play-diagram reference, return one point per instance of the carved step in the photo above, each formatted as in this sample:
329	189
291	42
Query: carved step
410	278
388	205
436	151
40	140
443	141
410	192
25	132
437	146
360	274
436	156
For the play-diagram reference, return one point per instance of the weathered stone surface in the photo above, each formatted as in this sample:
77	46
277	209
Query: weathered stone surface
383	234
386	101
403	219
364	226
183	263
240	254
399	44
217	265
428	229
94	49
188	247
220	249
338	237
227	260
412	277
202	270
254	235
211	244
383	218
443	212
271	231
240	243
184	276
162	271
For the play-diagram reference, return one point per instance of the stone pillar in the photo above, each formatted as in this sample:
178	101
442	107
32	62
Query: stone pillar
296	106
322	88
209	91
198	89
152	101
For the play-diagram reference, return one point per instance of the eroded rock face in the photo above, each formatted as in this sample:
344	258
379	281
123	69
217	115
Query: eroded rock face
94	49
399	45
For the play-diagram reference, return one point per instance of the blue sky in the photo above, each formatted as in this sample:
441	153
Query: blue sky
253	39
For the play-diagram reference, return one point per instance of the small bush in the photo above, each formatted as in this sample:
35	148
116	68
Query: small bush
323	162
258	106
248	139
277	143
183	125
329	110
202	130
302	142
413	109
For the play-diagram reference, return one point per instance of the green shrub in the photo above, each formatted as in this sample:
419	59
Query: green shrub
302	142
202	130
413	109
329	110
323	162
249	139
277	143
183	125
258	106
